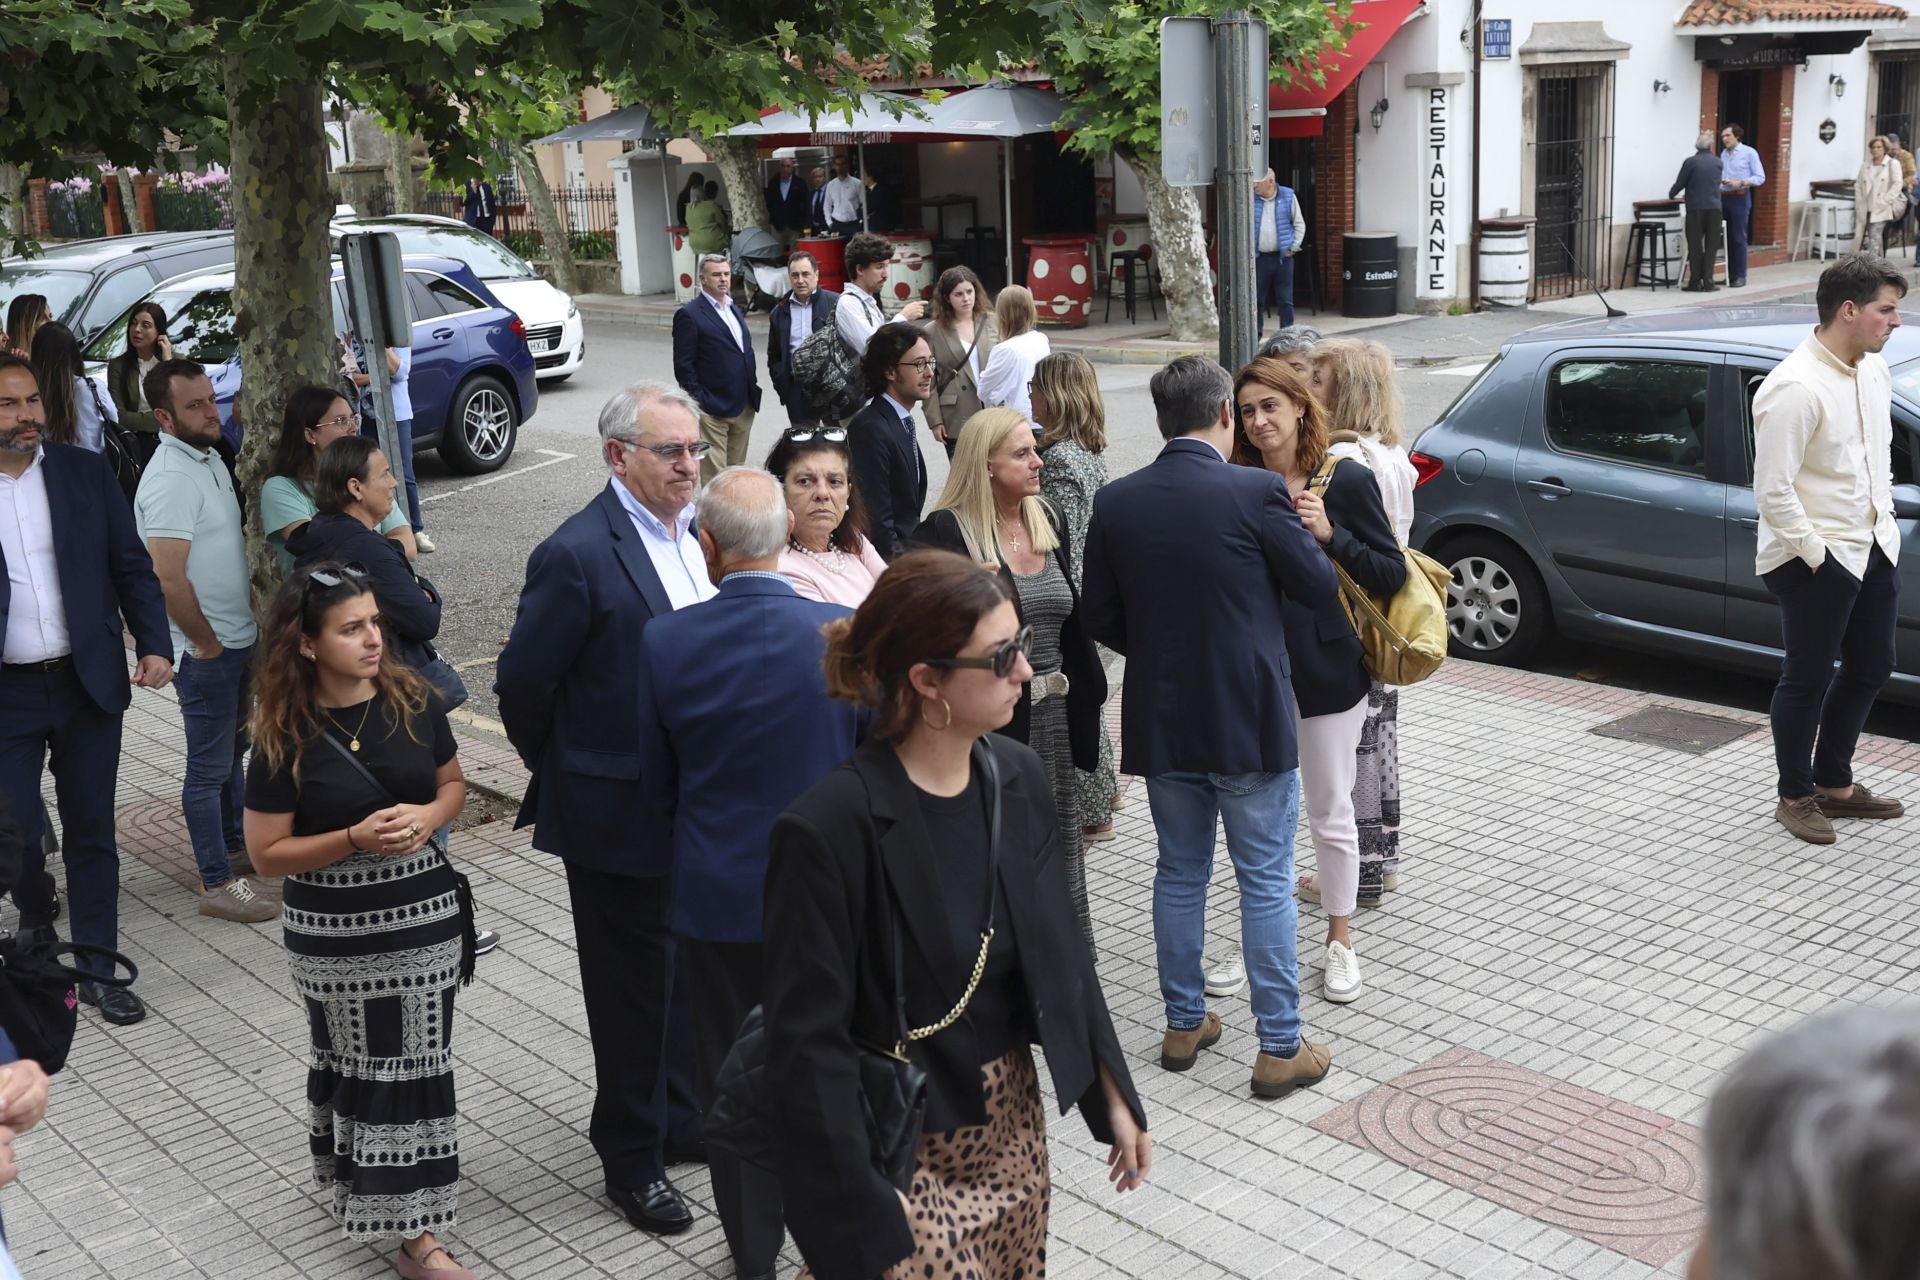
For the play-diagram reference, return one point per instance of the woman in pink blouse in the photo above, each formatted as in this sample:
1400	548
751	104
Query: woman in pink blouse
829	556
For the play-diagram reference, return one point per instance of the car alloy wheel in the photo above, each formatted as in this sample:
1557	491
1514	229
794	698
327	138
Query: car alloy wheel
487	425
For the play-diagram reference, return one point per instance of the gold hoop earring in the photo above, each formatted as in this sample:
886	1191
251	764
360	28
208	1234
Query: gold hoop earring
937	728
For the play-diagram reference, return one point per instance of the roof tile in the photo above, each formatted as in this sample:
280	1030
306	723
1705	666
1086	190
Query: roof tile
1726	13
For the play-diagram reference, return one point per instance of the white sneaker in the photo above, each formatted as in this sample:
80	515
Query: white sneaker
424	543
1340	982
1227	979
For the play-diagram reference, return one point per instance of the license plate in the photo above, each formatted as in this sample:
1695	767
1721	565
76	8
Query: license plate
539	346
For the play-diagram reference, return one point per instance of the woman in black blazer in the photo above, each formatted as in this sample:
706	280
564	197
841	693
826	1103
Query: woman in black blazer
895	839
992	513
1283	429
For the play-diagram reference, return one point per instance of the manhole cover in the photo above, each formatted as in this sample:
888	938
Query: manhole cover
1693	732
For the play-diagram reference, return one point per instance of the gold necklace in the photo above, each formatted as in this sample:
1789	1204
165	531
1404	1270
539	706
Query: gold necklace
1014	540
353	739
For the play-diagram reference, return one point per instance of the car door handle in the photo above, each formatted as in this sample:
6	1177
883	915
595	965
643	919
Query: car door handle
1550	486
1748	522
443	334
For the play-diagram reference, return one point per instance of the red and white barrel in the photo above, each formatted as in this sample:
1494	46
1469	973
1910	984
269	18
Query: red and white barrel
686	281
1060	276
910	274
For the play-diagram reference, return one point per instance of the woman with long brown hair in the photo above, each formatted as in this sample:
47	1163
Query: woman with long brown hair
935	844
147	345
1282	428
962	333
354	766
25	314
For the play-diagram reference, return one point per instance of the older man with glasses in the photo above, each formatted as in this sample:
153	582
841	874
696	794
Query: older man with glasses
568	687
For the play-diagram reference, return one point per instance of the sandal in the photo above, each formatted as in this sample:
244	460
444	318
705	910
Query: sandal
1094	835
417	1269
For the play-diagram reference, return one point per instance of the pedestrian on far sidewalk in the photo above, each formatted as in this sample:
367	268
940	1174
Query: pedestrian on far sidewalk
72	571
1879	197
1279	232
1700	180
354	767
1284	430
1741	174
1829	549
190	520
1190	565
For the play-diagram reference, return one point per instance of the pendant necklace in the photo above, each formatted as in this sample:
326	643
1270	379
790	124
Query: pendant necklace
353	739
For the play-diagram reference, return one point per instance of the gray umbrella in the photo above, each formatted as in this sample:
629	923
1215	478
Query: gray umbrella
1004	110
628	123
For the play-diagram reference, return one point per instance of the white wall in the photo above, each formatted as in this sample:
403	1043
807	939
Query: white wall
962	168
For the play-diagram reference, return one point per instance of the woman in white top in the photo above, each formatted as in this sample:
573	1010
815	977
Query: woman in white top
1877	196
75	410
1021	347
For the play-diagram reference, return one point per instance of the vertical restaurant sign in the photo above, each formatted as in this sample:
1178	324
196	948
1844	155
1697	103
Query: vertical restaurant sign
1435	277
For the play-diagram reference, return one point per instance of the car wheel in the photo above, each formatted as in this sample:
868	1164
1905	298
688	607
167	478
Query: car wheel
1497	607
481	426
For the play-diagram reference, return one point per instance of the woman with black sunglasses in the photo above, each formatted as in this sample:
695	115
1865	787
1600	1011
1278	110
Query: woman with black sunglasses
935	843
829	556
354	766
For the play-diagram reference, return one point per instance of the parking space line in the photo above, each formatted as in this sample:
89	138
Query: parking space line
553	456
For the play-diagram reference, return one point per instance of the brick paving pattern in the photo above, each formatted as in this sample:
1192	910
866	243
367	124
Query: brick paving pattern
1616	918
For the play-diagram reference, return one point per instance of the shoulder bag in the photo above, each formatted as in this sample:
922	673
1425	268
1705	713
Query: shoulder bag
462	887
118	446
39	1007
944	379
893	1091
828	370
1404	638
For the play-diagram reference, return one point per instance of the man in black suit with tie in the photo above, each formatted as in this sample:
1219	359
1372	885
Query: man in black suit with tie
1187	564
72	567
569	691
787	203
806	308
888	468
713	363
817	200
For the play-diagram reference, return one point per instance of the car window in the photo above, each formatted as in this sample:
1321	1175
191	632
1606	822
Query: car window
451	297
117	293
202	327
1650	413
62	289
487	257
1906	431
426	303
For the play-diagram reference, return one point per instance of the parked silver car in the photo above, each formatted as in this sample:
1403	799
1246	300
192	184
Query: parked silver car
1597	477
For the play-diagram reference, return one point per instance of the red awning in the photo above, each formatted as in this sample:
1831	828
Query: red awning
1298	110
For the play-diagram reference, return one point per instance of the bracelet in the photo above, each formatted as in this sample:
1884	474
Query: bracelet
353	844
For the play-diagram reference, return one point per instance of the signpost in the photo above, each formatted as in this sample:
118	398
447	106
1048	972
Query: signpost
1213	127
377	309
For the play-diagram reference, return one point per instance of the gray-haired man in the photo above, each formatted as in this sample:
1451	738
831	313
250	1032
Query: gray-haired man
713	362
1700	179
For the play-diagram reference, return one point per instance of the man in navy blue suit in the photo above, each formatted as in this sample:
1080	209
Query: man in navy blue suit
74	568
1187	563
735	723
889	470
568	685
806	308
713	363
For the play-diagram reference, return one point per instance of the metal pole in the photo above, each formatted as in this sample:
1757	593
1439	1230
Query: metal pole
1006	196
1236	126
862	147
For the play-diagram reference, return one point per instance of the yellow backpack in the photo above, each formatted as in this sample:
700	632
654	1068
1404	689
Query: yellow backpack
1405	638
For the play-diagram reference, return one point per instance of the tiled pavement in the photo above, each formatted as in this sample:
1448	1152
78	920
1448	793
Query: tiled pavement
1590	931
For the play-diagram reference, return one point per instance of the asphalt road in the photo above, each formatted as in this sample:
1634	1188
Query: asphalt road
486	527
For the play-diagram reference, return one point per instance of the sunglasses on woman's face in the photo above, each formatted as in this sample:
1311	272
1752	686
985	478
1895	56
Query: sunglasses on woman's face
804	435
1001	661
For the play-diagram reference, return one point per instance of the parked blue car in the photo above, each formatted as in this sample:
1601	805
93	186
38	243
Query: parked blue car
472	383
1597	478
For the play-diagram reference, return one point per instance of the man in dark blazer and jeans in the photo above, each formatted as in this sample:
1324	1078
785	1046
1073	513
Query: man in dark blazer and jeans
568	687
806	308
1188	562
71	568
713	363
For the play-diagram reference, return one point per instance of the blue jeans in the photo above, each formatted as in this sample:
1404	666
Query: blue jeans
1272	286
1261	811
1738	212
213	702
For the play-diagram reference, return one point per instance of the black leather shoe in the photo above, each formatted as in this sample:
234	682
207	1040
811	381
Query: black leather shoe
117	1005
657	1208
687	1153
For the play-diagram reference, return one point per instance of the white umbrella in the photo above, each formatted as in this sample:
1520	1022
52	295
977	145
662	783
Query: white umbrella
1003	110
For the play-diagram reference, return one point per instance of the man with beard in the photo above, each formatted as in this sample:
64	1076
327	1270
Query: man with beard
889	472
74	569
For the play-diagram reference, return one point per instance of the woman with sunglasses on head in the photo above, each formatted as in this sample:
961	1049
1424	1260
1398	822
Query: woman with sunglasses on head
353	768
897	856
829	556
315	417
147	346
991	512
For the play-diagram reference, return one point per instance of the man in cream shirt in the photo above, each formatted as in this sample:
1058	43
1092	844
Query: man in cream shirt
1828	546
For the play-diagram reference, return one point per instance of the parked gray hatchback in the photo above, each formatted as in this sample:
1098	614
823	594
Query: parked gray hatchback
1597	477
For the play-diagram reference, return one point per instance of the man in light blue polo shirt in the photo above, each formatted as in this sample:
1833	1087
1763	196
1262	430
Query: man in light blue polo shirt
1740	174
189	518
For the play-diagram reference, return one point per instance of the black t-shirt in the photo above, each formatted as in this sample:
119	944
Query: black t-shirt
958	826
331	795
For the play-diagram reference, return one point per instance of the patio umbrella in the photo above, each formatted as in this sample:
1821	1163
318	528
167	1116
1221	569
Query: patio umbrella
1004	110
634	124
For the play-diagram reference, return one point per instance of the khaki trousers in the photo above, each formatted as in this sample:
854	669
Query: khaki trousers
728	436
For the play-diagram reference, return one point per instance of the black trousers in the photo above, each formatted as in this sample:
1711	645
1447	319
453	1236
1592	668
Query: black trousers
723	982
1829	616
1703	246
645	1097
48	713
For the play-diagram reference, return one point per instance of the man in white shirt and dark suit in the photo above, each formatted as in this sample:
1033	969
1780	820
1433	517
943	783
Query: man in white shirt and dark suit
1829	550
713	363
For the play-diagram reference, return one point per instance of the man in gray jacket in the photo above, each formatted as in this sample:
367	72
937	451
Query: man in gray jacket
1700	179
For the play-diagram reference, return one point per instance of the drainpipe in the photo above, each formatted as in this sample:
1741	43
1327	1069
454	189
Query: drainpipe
1473	208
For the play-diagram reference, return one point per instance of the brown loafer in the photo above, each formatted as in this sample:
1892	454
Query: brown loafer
1179	1049
1803	816
1277	1077
1861	804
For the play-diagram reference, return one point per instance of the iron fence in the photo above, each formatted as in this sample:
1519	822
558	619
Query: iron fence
585	211
193	203
76	209
1572	178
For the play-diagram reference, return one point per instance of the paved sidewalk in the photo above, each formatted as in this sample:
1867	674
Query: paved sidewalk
1589	932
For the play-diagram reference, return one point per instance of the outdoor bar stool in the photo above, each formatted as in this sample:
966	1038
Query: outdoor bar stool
1647	250
1819	227
1133	265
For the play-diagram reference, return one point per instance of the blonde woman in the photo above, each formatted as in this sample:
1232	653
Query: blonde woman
991	511
1877	196
961	333
1021	347
1072	422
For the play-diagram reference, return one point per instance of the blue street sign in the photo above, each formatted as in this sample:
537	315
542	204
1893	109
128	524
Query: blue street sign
1496	38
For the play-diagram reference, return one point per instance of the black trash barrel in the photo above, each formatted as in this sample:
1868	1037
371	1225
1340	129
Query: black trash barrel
1370	278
